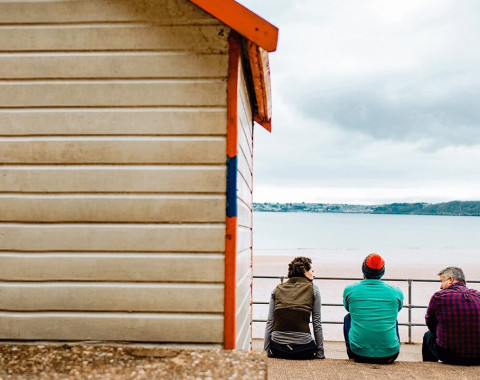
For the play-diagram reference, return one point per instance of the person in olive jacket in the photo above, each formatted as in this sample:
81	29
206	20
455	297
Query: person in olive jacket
287	334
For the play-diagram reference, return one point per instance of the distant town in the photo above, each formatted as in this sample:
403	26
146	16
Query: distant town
454	208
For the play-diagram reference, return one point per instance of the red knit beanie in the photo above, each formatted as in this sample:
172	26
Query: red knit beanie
373	266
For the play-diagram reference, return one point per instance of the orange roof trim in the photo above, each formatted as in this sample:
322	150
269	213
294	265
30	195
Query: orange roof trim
243	21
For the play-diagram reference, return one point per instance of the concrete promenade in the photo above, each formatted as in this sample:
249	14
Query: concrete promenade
409	365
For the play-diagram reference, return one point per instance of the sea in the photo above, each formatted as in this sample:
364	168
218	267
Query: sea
414	247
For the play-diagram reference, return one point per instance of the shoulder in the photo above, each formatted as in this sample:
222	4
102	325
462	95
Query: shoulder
316	289
350	288
394	289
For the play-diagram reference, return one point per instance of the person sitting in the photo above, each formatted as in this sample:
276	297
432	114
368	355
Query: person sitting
287	333
453	321
371	329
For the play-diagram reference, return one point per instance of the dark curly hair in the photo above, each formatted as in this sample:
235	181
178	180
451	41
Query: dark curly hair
299	266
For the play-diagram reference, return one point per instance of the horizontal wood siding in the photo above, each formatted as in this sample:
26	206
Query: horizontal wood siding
245	207
57	296
163	121
117	267
112	179
143	327
112	171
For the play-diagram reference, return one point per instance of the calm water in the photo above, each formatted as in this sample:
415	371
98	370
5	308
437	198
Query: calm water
283	231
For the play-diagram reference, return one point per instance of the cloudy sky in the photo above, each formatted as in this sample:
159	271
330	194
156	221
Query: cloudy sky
374	101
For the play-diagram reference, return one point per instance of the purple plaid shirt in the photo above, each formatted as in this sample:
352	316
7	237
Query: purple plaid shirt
453	314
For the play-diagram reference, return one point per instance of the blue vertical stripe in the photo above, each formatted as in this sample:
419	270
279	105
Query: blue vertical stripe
232	186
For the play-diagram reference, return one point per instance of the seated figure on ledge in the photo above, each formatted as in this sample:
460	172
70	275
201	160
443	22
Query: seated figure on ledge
453	321
287	334
371	328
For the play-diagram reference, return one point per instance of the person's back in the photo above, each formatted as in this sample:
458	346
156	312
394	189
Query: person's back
373	306
453	320
371	328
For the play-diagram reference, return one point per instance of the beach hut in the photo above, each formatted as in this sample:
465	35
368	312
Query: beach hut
126	138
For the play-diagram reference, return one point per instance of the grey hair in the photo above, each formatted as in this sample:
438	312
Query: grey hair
454	272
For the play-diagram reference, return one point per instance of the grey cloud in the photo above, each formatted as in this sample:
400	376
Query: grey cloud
452	121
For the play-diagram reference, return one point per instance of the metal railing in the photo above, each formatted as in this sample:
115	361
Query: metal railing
407	305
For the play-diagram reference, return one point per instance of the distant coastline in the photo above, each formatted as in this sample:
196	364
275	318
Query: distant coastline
454	208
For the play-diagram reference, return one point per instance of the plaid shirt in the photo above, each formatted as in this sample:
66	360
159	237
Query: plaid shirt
453	315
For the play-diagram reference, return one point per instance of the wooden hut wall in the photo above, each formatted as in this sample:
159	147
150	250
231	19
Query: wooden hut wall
245	213
113	173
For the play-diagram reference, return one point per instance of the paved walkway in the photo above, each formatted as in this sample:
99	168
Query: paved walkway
409	365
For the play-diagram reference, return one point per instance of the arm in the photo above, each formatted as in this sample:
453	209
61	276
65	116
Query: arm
269	326
345	298
431	315
400	300
317	322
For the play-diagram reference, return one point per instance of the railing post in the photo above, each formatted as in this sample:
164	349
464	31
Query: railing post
409	311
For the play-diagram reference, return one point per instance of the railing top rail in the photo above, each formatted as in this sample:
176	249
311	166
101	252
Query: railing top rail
359	279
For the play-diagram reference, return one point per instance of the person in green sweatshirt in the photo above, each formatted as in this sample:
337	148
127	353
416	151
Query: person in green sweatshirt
371	329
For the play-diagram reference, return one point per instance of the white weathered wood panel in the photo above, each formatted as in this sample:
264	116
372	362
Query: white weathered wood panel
120	121
113	65
244	192
113	150
244	167
244	336
244	217
244	238
120	267
69	11
111	237
143	327
245	113
243	313
66	296
109	93
122	179
114	209
245	149
244	263
108	37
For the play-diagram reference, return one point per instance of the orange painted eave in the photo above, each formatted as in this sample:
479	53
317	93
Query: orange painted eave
243	21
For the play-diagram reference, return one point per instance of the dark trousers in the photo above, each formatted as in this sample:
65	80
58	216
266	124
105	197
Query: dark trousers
293	351
431	352
347	321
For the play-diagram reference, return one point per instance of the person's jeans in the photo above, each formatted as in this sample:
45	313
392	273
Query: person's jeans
433	353
293	351
347	321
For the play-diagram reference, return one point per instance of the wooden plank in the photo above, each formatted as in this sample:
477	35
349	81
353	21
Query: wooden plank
113	150
244	310
244	239
111	121
112	238
104	93
134	267
244	288
244	263
245	113
172	298
246	146
244	192
245	167
114	209
124	179
142	327
244	214
113	65
244	336
108	37
69	11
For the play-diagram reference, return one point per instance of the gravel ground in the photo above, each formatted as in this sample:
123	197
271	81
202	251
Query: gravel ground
22	361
